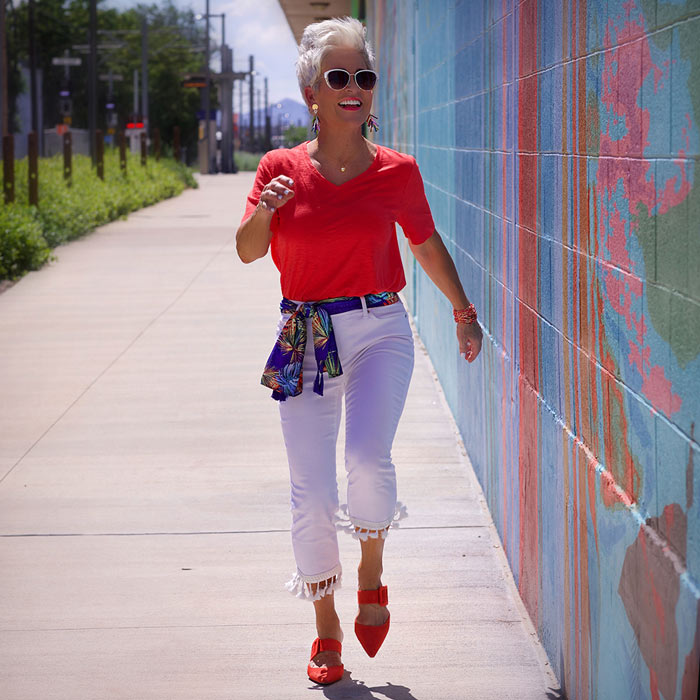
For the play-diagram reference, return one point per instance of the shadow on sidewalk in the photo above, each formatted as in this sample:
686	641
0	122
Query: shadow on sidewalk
349	688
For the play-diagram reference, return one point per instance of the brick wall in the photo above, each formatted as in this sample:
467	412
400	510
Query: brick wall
558	142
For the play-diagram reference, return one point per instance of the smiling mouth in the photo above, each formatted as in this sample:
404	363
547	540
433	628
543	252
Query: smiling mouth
350	105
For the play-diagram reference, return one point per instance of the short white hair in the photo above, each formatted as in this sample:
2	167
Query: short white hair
320	37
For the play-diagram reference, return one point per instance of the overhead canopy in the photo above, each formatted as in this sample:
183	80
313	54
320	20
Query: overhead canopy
300	13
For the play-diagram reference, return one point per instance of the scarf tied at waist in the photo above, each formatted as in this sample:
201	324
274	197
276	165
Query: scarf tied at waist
283	370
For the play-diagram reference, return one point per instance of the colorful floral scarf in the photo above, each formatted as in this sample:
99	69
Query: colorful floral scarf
283	370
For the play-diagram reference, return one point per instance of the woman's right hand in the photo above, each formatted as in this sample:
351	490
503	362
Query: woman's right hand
254	234
277	192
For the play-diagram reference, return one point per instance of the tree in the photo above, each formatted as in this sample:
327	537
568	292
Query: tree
175	47
57	26
294	135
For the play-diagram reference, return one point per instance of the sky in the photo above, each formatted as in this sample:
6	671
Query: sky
256	27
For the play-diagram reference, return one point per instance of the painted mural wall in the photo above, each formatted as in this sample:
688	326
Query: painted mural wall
558	142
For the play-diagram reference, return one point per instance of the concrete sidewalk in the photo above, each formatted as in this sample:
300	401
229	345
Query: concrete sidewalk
144	506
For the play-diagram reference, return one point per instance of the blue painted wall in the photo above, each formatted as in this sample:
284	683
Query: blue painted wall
558	143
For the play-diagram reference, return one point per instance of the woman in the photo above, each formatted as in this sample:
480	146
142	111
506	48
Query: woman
327	209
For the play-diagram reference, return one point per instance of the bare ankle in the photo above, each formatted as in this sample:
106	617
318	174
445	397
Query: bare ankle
369	579
327	621
329	628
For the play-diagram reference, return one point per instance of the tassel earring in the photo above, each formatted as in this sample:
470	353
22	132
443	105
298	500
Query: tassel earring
314	121
372	124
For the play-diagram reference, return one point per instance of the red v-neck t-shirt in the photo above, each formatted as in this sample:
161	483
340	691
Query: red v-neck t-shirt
340	240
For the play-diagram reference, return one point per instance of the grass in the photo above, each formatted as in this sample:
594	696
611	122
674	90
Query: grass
247	161
28	233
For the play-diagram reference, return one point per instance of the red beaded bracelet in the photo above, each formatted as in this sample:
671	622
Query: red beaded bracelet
467	315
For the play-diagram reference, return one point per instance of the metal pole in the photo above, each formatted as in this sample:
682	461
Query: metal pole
8	167
268	126
92	79
234	169
226	104
100	151
136	94
3	72
33	169
67	157
240	115
122	152
251	130
32	68
206	89
144	73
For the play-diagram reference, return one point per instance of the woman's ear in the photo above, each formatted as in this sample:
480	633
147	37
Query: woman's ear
309	96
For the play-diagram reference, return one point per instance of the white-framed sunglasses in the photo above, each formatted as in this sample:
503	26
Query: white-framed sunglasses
338	78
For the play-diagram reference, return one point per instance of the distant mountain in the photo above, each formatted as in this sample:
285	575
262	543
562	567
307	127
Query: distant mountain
286	112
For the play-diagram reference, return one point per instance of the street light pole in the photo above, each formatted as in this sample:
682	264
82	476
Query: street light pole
4	112
251	131
241	145
227	104
136	94
226	88
268	127
32	68
144	73
207	105
207	95
92	80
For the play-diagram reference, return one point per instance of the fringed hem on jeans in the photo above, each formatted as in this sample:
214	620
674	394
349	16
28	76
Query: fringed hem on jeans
349	524
300	585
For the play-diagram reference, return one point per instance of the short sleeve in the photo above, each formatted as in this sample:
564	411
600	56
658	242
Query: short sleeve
414	215
263	175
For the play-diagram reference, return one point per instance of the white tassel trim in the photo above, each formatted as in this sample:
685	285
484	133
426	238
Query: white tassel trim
299	584
351	525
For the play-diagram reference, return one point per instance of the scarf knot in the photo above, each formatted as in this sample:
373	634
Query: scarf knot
283	370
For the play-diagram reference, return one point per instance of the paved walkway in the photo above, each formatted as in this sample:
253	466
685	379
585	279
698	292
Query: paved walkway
144	517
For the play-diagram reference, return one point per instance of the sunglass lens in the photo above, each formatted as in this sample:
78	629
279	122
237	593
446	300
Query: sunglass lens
338	79
366	79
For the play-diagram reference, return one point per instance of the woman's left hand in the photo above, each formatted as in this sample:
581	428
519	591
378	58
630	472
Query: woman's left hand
469	336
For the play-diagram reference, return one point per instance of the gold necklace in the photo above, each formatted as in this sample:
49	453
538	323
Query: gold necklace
342	167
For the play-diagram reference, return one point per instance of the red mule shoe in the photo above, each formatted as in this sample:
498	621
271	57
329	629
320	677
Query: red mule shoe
325	675
372	636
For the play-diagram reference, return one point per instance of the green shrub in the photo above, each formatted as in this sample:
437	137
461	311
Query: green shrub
246	160
294	135
22	246
65	213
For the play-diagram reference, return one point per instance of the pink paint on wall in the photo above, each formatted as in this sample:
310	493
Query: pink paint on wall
631	183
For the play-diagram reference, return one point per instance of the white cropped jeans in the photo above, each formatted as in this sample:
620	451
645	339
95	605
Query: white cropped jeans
375	347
